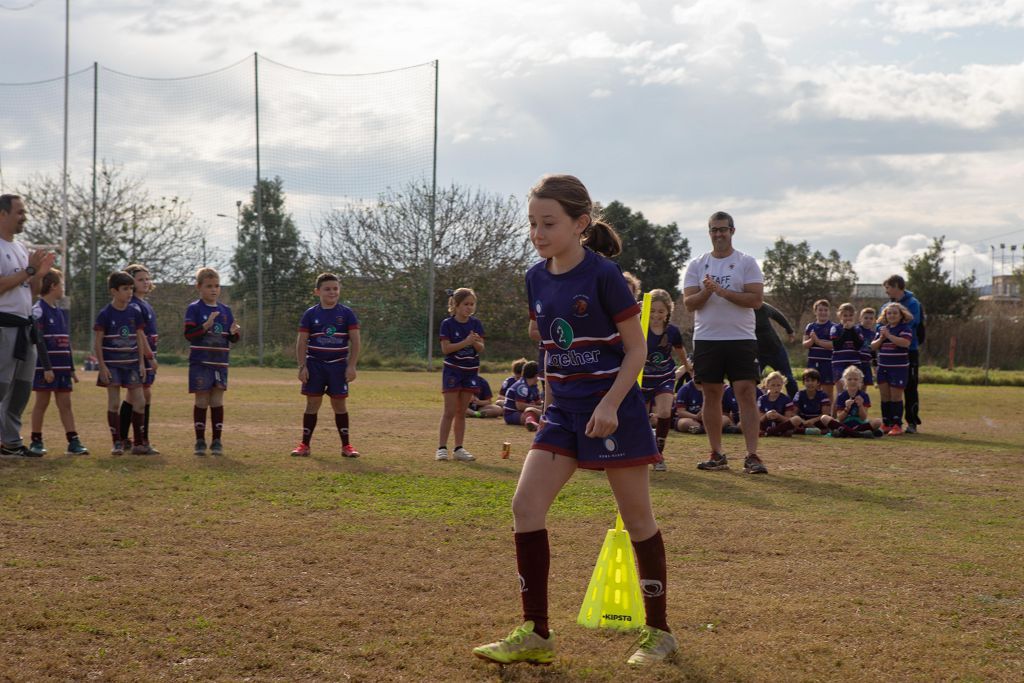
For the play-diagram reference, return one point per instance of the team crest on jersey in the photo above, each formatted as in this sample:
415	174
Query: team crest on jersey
580	304
657	358
125	331
610	444
329	331
340	320
537	307
561	333
217	328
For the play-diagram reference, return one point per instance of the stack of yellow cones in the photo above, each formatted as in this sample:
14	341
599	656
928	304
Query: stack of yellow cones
613	597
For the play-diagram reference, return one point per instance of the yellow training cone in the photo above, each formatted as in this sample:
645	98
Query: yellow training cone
613	597
645	322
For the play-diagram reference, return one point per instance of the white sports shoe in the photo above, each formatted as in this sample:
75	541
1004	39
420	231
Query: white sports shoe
654	645
463	455
442	454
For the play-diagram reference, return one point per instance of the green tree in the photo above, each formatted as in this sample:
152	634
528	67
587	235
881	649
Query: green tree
654	253
275	247
795	277
934	286
131	226
481	241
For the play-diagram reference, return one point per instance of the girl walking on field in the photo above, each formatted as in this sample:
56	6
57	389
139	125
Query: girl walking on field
462	340
590	328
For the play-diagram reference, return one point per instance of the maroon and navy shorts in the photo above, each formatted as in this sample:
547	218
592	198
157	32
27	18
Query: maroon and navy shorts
865	367
61	383
652	389
894	377
824	368
203	378
150	377
564	432
325	378
126	376
453	379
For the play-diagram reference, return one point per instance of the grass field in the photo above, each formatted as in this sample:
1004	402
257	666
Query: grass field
888	560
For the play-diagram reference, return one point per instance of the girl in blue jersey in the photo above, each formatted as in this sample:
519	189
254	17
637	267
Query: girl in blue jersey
893	341
462	340
663	338
595	418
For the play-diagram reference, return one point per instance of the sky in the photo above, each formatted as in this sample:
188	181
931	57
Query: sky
865	127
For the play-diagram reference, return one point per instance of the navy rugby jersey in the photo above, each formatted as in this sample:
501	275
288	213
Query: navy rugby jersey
576	313
846	344
52	324
212	347
455	332
660	365
808	406
690	398
328	330
779	404
842	398
149	315
729	403
521	391
890	355
120	343
483	390
824	333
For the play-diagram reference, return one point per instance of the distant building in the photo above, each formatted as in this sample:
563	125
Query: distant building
1004	289
863	291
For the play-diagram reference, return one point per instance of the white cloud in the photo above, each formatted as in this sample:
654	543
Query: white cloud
975	97
923	16
600	93
878	260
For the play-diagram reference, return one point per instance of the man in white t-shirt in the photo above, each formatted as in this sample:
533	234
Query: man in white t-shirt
723	287
21	276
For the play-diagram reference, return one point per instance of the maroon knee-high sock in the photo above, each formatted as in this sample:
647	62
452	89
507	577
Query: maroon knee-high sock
650	560
533	558
308	425
114	422
661	430
199	418
139	427
217	420
341	422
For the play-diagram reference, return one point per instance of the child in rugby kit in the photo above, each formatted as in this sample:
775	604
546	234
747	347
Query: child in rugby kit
462	341
517	373
522	400
210	329
689	409
663	338
894	338
482	404
731	409
813	406
143	288
852	406
847	340
777	411
596	419
868	330
59	377
327	352
120	344
818	342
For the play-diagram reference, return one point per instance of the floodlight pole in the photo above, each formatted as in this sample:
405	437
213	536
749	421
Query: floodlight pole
433	230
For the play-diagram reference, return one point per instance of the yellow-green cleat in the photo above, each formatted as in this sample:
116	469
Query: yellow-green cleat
654	645
522	645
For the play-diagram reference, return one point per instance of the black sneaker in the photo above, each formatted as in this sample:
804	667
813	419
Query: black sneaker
200	448
911	428
717	461
19	451
752	465
731	429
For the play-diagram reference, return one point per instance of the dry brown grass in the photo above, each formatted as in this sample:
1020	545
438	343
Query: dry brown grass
853	560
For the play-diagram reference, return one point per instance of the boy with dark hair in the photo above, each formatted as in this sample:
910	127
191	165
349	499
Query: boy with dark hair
143	288
120	344
211	330
517	373
327	350
55	368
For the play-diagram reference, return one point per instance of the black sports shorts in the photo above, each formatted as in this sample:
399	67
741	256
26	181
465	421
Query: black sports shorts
714	360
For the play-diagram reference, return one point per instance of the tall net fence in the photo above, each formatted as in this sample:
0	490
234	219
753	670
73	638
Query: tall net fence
176	165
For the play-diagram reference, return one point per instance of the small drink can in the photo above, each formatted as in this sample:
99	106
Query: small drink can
506	450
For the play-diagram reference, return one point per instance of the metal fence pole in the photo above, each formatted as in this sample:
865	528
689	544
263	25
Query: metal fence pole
433	230
259	220
92	217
